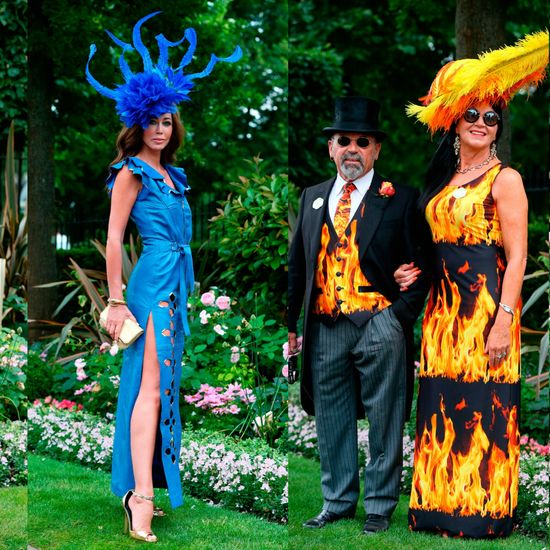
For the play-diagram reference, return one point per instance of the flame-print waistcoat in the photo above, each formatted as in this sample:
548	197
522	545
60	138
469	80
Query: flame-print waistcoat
340	284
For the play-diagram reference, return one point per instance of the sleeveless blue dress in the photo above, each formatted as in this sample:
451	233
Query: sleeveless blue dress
159	286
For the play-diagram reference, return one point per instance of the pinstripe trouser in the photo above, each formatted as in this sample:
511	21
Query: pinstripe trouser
373	356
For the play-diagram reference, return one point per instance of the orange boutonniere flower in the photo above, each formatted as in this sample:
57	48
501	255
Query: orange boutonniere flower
387	189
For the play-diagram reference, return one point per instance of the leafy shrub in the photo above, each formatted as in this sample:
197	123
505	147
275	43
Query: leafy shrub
535	411
92	380
40	373
13	358
224	349
248	475
251	237
533	509
13	453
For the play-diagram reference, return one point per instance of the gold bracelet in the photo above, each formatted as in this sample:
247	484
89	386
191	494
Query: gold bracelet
116	302
507	309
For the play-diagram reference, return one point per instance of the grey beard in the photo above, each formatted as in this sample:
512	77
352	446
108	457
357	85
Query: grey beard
351	172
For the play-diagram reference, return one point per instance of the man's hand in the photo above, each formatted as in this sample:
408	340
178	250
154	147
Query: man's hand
292	343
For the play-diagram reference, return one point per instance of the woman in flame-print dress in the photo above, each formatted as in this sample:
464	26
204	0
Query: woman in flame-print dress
465	479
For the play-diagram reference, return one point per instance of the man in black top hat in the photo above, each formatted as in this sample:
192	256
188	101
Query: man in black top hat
352	233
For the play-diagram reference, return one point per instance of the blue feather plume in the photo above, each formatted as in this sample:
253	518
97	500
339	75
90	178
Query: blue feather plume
159	88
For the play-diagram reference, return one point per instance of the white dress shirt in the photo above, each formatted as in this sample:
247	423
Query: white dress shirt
361	187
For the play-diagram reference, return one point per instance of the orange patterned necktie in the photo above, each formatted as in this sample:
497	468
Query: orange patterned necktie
343	208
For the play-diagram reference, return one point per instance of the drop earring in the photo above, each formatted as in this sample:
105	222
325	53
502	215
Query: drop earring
456	145
494	149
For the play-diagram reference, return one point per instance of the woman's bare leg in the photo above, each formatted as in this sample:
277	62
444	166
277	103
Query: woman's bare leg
143	431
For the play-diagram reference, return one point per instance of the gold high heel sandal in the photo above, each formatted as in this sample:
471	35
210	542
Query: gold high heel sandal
145	536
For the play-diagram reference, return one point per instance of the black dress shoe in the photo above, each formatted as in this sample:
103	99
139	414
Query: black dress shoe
375	524
324	518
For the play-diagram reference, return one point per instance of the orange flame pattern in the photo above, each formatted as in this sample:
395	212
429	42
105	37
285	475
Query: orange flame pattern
340	279
471	219
452	482
453	345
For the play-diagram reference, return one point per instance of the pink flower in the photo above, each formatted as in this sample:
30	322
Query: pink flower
285	371
80	363
223	302
218	329
43	356
208	298
48	399
235	355
247	396
23	348
204	316
81	375
114	349
105	346
233	409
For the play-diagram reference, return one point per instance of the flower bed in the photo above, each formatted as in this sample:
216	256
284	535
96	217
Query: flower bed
533	508
13	453
248	475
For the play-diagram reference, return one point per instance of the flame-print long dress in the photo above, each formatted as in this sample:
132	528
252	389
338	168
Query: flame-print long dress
158	286
466	461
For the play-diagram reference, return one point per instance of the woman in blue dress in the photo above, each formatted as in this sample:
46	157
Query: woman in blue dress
151	191
146	187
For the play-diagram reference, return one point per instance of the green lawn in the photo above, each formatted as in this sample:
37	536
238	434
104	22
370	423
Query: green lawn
305	501
72	507
13	518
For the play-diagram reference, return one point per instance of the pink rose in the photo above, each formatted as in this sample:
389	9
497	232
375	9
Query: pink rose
285	371
223	302
204	316
208	298
219	330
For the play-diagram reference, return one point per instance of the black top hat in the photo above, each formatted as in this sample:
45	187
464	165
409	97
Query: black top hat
356	114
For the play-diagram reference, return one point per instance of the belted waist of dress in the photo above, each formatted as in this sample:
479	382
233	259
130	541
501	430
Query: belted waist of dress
187	276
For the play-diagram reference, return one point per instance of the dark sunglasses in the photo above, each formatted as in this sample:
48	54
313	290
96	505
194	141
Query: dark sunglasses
362	142
490	118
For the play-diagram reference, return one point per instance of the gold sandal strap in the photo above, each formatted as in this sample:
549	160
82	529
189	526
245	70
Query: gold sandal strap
150	499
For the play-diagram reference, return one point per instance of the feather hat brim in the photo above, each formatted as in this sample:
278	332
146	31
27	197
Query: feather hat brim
494	77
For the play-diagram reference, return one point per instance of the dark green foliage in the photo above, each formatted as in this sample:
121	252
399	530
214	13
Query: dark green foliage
40	374
250	234
13	68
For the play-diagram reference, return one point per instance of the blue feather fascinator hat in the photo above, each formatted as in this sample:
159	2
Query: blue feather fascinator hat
159	87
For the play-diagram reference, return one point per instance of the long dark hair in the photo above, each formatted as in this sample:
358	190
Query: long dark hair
443	164
130	141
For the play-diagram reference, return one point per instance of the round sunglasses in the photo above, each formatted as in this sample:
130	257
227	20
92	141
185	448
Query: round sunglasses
490	118
362	142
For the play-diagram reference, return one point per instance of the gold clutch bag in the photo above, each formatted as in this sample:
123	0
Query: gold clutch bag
129	333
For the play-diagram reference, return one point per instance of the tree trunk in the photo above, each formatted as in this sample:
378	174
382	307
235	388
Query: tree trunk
479	26
42	264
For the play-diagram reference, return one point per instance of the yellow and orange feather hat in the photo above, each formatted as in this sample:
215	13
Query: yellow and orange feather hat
494	77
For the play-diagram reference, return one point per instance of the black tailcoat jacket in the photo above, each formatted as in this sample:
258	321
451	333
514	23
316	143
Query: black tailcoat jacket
391	233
